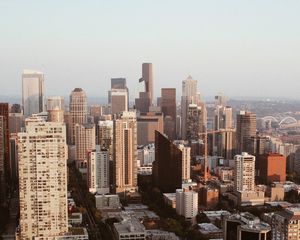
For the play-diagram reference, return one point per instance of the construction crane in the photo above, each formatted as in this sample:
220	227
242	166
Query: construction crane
206	171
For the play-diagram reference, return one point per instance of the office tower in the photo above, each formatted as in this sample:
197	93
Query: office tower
84	142
225	142
16	122
187	203
223	118
245	129
145	99
55	115
42	153
147	124
125	152
2	161
16	108
98	171
14	165
285	224
167	167
105	136
271	168
168	108
78	112
186	159
189	96
118	83
55	102
118	100
96	113
194	125
220	100
244	226
244	172
4	145
32	92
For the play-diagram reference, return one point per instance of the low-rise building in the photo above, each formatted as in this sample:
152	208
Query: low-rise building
107	201
170	199
129	229
209	231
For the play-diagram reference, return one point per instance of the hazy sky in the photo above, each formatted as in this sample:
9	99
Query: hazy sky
238	47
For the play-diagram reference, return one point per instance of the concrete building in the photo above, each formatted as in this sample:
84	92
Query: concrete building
105	135
245	226
195	126
285	224
208	197
129	229
146	155
55	102
32	92
16	122
189	96
42	152
271	168
107	202
125	152
78	112
168	108
187	203
210	231
84	143
147	124
245	129
98	171
186	159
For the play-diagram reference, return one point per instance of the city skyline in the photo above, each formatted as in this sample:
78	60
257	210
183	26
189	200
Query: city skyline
222	45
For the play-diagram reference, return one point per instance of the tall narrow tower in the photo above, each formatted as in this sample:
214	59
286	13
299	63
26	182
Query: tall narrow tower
32	92
42	153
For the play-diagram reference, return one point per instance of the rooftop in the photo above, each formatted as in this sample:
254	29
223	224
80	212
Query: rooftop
129	226
207	228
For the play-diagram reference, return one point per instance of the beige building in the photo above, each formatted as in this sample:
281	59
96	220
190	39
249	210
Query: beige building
118	100
186	159
84	143
78	112
125	152
286	224
105	136
42	153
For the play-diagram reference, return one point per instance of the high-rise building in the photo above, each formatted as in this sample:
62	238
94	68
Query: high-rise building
85	142
98	171
32	92
189	95
223	118
167	167
4	152
145	99
14	164
42	153
78	112
96	113
285	224
118	100
125	153
244	172
168	108
147	124
16	122
271	168
194	124
105	136
186	159
245	129
243	226
55	102
187	203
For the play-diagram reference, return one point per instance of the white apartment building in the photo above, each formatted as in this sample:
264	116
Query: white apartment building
42	154
98	171
187	203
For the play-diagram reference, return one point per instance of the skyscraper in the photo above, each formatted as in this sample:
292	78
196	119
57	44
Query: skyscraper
194	124
189	96
145	99
168	108
245	129
42	153
78	112
244	172
105	136
4	146
147	124
118	100
85	142
55	102
32	92
167	167
125	153
98	171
